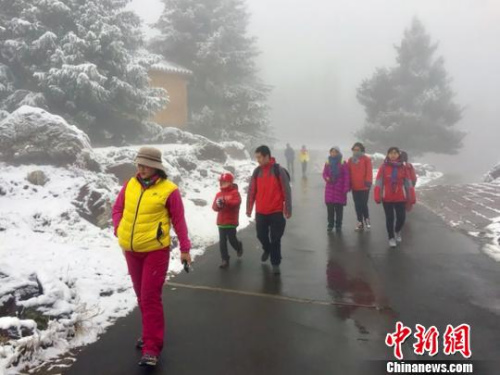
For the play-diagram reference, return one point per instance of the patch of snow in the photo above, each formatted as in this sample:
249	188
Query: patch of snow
79	266
493	235
493	174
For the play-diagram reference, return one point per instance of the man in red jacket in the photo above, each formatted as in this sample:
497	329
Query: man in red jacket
227	203
271	194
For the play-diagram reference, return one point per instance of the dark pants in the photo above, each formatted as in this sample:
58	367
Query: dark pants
270	229
398	208
361	204
335	215
304	168
226	234
290	164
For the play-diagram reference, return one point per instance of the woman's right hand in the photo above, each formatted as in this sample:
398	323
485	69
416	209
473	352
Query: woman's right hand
186	257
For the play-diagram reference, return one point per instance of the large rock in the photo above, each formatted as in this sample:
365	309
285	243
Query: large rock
31	135
211	151
94	203
186	164
122	171
37	178
235	150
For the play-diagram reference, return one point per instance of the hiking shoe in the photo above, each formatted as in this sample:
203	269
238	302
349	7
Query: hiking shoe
149	360
360	227
139	344
393	243
224	264
399	239
240	250
276	270
368	224
264	257
329	229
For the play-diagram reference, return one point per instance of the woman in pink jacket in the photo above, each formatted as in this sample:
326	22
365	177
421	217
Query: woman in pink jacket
336	176
148	206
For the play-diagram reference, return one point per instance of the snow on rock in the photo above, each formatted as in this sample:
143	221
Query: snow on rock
493	175
492	248
235	150
32	135
62	272
174	135
426	173
59	261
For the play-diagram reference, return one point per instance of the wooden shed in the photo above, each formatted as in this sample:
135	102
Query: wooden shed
175	79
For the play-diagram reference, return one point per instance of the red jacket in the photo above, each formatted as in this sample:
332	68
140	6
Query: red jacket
361	173
229	214
402	191
270	190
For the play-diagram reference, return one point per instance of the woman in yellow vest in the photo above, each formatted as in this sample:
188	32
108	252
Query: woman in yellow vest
147	206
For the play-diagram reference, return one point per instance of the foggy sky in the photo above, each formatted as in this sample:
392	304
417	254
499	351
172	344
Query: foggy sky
316	53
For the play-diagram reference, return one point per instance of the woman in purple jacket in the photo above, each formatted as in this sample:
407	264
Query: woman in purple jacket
336	176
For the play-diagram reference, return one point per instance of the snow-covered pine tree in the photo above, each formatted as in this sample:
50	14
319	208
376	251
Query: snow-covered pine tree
411	105
76	58
210	37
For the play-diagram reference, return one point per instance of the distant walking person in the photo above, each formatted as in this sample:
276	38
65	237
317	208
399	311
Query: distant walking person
146	208
290	159
394	188
360	167
336	176
304	160
227	203
270	192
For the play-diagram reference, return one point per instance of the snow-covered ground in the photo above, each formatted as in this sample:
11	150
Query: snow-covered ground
63	280
471	208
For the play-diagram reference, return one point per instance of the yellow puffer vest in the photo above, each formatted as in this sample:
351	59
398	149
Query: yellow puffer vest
145	225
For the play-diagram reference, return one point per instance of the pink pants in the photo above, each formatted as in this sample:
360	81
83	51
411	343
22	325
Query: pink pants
148	272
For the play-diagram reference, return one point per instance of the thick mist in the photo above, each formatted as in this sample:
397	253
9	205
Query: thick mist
316	54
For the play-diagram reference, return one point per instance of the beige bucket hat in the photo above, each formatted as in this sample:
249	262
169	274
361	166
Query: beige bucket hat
150	157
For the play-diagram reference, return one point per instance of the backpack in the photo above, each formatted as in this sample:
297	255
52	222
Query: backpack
276	170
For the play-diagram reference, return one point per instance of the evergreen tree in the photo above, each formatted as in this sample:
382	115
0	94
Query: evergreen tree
76	58
411	105
210	37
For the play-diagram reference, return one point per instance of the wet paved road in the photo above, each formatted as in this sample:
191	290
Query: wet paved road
328	313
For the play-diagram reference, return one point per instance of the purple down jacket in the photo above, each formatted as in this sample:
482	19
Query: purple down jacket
336	190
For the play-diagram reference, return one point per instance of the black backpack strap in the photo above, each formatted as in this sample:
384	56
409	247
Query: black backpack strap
256	173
